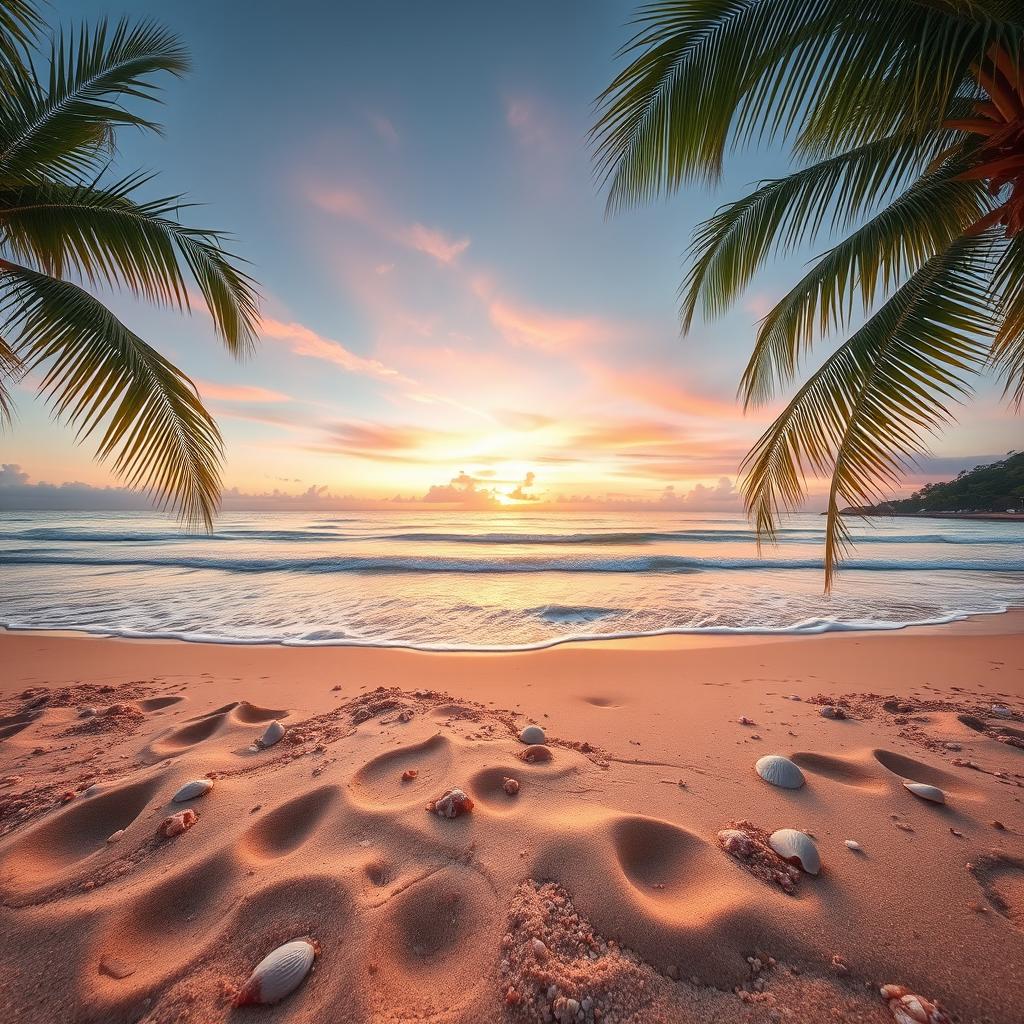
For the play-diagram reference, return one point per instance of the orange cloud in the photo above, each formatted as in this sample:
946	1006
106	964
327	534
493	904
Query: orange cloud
239	392
434	243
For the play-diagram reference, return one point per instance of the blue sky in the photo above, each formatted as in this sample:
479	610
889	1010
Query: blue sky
446	305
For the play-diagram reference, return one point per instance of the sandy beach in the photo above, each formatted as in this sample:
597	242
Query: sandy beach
599	891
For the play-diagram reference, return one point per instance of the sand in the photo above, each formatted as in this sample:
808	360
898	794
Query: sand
598	891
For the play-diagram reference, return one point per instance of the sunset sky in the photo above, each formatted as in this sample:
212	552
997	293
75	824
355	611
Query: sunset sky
448	314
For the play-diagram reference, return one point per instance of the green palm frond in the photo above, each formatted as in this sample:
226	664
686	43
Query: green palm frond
1008	346
862	416
98	375
20	25
881	253
60	130
11	370
105	236
783	214
709	74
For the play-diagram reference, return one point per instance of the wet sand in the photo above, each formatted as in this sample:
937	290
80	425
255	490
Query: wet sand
599	891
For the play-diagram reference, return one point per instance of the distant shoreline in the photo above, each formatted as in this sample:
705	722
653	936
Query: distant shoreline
1012	517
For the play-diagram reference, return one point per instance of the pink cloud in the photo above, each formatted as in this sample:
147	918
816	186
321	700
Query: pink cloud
534	328
239	392
435	243
305	342
346	202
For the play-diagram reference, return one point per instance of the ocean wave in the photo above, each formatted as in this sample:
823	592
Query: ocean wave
587	538
572	614
330	638
437	564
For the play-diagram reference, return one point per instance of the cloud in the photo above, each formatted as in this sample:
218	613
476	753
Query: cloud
384	129
306	342
462	490
541	138
432	241
533	328
239	392
520	492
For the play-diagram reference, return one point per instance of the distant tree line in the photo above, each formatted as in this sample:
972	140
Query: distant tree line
994	488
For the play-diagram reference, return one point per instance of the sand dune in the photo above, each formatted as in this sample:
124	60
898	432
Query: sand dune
598	891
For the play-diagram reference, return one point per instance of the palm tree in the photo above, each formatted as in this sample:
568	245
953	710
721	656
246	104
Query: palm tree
65	223
905	120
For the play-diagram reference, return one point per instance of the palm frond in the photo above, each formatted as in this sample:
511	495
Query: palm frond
60	130
710	74
782	214
11	370
1008	346
105	236
99	376
20	25
861	417
881	253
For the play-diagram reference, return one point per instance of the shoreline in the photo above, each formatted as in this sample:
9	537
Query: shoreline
682	638
652	746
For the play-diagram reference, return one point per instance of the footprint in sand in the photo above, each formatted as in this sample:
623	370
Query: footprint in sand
154	933
13	724
1001	877
284	829
50	852
379	782
204	727
847	771
442	928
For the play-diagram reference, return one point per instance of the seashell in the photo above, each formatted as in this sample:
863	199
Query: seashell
907	1007
198	787
532	734
1001	711
930	793
852	844
535	754
278	974
797	848
178	823
116	837
780	771
94	790
409	774
743	720
274	732
451	804
511	786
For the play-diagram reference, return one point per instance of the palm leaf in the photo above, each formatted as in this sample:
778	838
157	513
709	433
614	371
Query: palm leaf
98	375
710	74
1008	346
105	236
861	417
883	252
19	27
61	130
11	369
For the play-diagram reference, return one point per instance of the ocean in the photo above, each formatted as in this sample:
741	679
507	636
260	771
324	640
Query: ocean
480	580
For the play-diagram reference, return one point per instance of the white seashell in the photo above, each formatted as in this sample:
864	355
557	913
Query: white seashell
796	847
116	837
852	844
1001	711
930	793
780	771
198	787
908	1007
532	734
278	974
275	732
94	790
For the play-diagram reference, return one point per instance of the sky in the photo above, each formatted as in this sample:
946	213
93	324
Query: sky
449	318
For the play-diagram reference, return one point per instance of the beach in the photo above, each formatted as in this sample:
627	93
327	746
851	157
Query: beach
600	890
